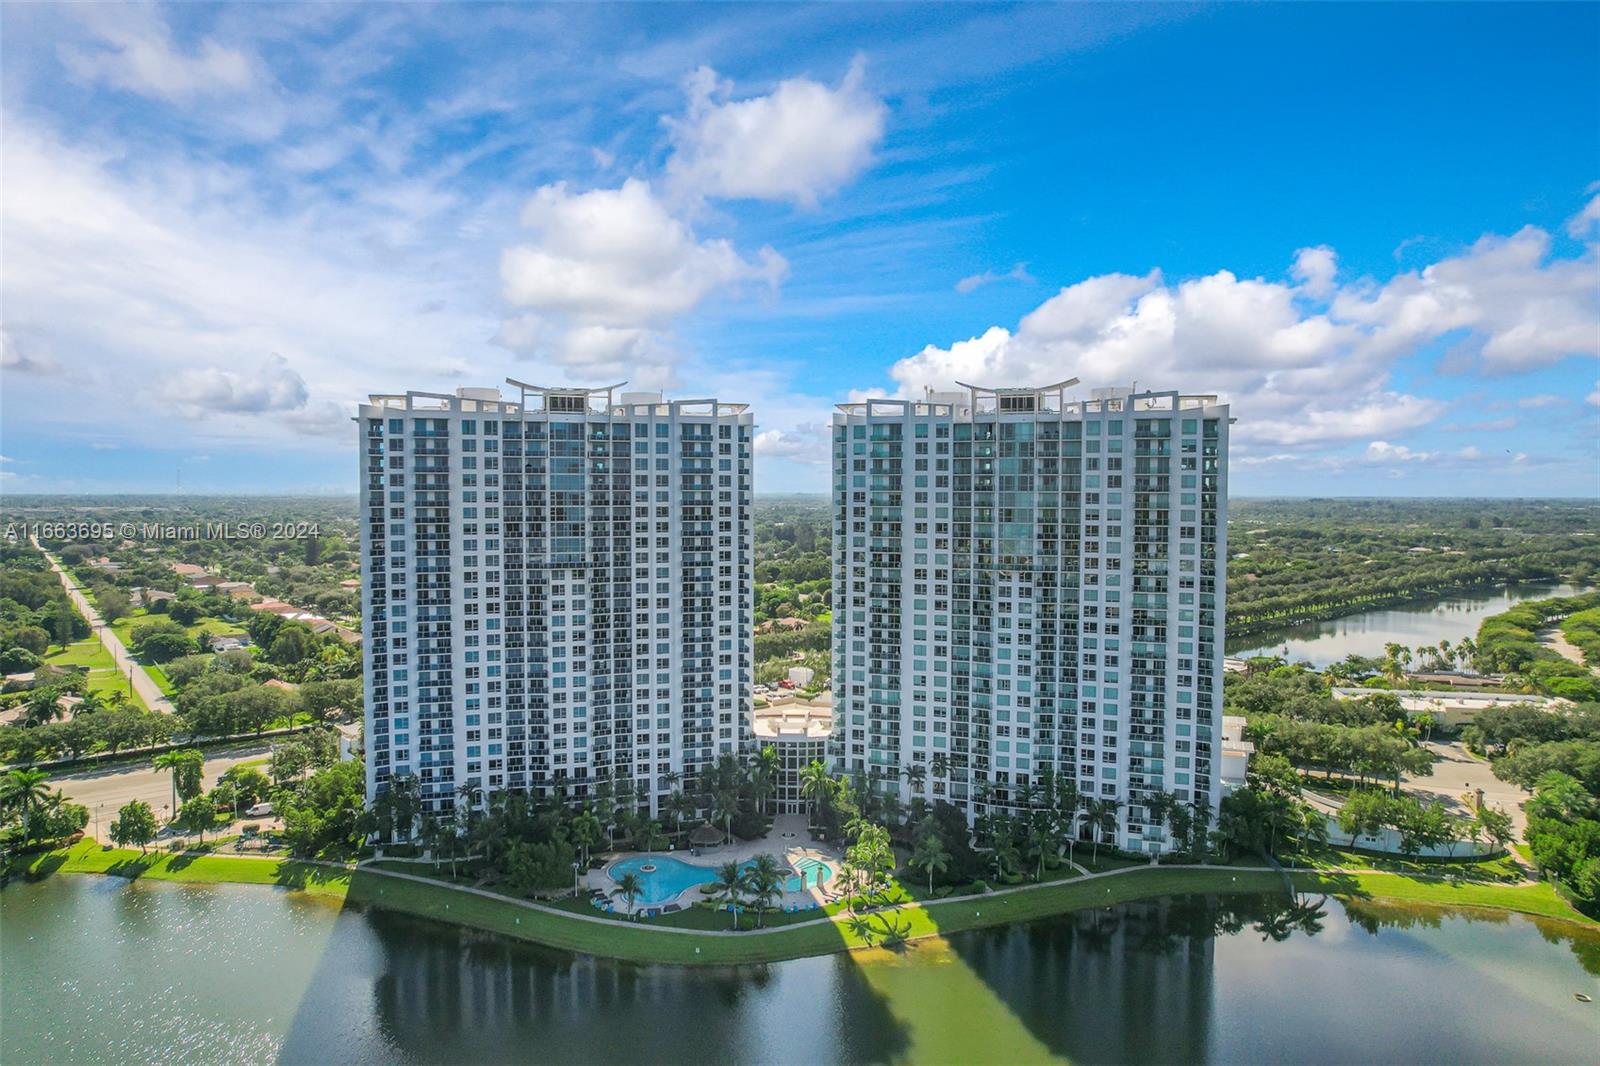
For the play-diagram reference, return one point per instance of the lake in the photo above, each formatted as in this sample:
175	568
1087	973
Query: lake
97	969
1412	624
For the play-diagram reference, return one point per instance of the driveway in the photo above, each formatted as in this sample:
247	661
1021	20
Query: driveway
104	791
143	683
1457	772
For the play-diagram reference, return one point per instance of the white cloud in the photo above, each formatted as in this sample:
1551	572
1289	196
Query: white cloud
973	282
617	257
1593	399
799	143
805	443
1584	222
274	386
134	51
1296	376
606	270
1315	269
1381	451
1524	309
1544	399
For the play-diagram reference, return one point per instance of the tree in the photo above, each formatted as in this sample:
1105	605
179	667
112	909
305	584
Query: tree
764	775
1496	825
1363	814
26	792
187	766
250	786
197	815
816	785
730	883
763	882
930	856
112	604
135	824
289	761
724	807
586	832
631	888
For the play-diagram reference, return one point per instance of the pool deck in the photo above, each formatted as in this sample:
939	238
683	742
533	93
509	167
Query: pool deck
789	840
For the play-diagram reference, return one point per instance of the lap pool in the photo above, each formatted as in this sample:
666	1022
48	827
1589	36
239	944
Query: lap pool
664	877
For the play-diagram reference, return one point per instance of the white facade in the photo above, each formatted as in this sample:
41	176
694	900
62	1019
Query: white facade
559	589
1024	582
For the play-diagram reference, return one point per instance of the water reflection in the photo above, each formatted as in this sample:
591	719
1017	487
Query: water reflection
97	969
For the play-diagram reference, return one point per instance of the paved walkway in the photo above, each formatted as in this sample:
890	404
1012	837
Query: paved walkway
1457	773
143	683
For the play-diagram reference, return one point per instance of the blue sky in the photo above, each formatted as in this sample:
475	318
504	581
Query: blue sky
1372	228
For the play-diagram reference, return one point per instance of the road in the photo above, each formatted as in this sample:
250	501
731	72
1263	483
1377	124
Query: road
109	789
143	683
1456	773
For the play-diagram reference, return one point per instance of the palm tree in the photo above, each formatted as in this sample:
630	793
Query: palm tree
470	793
181	763
724	805
28	792
930	855
730	883
815	785
940	765
43	707
1039	839
586	831
916	777
679	805
631	887
763	882
764	775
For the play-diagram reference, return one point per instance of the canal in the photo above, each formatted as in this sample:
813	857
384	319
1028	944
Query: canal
97	969
1424	622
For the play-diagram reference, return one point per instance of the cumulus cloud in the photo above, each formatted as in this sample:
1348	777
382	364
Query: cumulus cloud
1298	375
1315	269
1381	451
15	359
1523	308
617	257
606	270
274	386
974	282
1593	399
133	50
798	143
1543	399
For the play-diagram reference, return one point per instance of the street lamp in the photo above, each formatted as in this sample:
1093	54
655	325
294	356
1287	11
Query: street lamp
575	866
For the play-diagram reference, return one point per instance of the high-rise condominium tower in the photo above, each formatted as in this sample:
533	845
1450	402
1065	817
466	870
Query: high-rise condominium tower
558	589
1024	582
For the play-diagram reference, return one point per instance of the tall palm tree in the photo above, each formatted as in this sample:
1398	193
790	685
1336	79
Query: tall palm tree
940	765
916	777
180	764
679	805
586	832
730	884
631	887
764	775
28	792
930	855
815	785
43	707
724	805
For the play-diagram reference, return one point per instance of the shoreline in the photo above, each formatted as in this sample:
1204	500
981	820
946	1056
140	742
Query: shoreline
642	943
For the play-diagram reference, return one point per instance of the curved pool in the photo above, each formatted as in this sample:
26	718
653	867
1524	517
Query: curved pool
664	878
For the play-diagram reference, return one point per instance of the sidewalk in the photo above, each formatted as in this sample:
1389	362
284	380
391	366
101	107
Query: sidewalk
143	683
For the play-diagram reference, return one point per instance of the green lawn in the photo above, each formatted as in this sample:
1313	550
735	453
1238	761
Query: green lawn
655	941
214	627
103	673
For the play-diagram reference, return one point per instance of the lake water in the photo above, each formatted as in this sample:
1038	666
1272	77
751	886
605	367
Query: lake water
1414	624
100	970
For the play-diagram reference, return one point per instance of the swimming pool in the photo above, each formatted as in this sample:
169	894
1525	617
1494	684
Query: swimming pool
665	877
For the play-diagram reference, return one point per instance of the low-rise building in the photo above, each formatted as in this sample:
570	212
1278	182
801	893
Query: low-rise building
1450	709
1236	752
800	732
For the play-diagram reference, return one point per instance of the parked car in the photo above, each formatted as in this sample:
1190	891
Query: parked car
260	810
